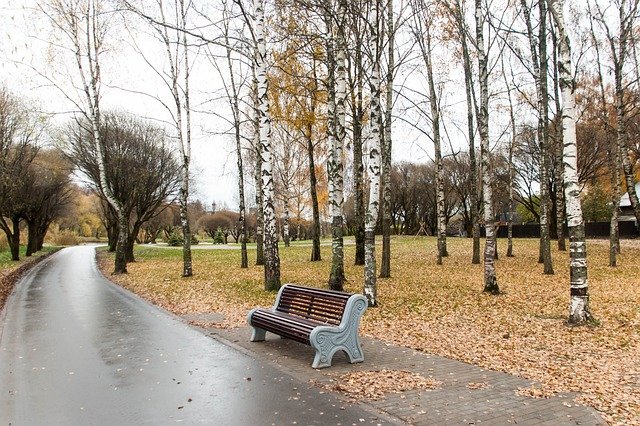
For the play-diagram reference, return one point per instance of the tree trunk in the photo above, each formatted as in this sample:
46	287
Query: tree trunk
614	236
441	228
558	146
186	154
14	239
512	143
468	80
244	261
32	238
539	61
544	142
358	167
511	201
42	233
490	281
120	266
315	249
370	285
385	266
272	257
579	307
614	164
335	129
285	228
187	268
258	181
132	236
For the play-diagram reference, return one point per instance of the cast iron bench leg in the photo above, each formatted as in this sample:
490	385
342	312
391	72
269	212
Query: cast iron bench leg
328	340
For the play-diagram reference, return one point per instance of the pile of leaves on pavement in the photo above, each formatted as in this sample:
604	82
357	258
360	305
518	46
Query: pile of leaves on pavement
375	384
441	309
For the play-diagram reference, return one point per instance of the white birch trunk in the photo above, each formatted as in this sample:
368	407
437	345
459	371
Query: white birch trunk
272	258
490	281
435	124
258	175
579	305
512	143
539	62
87	54
336	136
470	100
370	285
286	237
185	140
182	117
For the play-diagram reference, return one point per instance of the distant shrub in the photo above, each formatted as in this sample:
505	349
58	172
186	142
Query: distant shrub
65	238
4	245
218	237
176	239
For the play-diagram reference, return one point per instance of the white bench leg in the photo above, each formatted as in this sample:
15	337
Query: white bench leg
258	334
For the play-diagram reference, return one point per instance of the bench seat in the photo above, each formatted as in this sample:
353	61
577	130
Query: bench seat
324	319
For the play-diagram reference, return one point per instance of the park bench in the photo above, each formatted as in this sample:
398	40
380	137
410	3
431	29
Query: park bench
324	319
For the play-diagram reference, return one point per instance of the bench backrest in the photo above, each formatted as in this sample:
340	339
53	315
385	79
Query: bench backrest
315	304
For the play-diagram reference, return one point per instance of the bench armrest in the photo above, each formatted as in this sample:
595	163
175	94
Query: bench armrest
327	340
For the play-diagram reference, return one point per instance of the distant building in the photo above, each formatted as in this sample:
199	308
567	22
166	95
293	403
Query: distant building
626	211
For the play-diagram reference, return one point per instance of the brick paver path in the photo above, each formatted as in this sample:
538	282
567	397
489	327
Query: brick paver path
452	403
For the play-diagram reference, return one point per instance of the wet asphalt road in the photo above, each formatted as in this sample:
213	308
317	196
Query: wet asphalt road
77	350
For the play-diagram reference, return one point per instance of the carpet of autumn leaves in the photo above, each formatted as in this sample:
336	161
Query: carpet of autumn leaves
442	309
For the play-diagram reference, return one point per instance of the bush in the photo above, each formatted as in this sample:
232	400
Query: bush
218	237
176	239
65	238
4	244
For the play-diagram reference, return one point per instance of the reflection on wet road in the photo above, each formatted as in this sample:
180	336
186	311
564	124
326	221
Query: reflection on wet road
76	349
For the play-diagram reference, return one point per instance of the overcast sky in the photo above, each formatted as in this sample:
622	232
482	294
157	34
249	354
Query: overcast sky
25	45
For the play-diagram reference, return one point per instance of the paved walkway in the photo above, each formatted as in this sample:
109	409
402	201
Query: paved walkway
451	404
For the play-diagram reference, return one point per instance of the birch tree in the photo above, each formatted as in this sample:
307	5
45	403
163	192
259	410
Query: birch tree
579	311
613	152
385	266
355	74
457	13
336	83
512	142
272	257
170	27
258	171
557	149
490	280
84	26
373	166
539	64
232	91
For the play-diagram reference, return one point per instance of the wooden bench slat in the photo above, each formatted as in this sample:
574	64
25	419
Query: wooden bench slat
313	311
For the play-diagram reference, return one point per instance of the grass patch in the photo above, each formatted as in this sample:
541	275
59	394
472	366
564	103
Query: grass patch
11	271
7	264
442	309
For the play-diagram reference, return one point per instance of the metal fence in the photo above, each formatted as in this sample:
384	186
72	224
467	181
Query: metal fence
592	230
